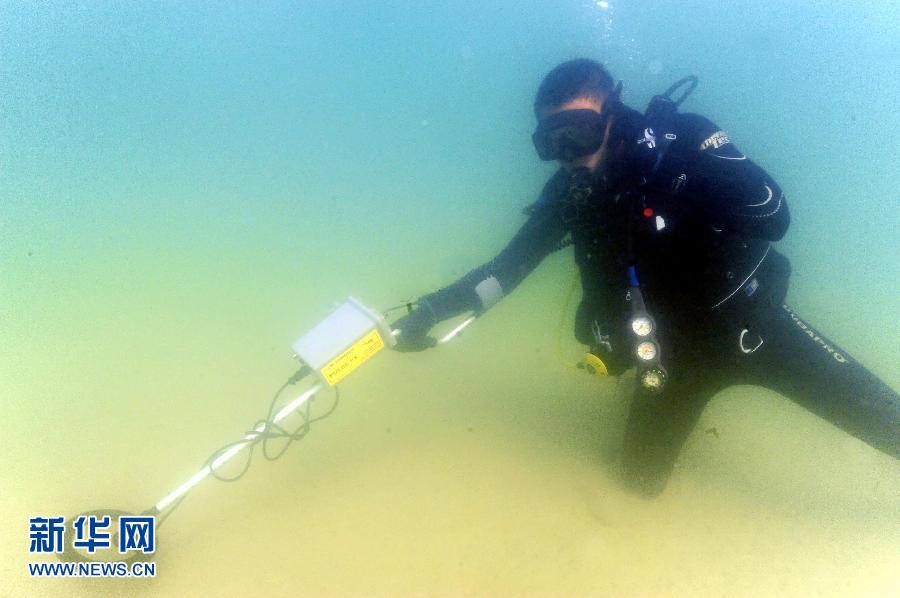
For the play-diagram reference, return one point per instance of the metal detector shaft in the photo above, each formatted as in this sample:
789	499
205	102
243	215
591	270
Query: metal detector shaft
231	452
452	334
251	437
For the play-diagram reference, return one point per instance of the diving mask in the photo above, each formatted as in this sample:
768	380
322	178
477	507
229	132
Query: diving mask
571	134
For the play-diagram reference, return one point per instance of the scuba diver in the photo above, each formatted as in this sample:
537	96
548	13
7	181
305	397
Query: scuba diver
671	227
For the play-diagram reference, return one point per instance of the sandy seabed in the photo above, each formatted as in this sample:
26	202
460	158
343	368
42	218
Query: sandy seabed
484	467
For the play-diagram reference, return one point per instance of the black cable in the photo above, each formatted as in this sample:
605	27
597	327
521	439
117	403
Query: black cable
691	81
299	432
269	430
407	305
279	431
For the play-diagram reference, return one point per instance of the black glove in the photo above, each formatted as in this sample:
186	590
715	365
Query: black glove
414	328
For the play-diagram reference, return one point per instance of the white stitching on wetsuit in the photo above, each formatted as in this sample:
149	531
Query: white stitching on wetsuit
777	207
768	199
752	272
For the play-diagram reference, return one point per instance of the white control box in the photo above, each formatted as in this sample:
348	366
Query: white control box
344	340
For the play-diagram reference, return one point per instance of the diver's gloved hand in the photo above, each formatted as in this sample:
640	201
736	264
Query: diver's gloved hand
414	328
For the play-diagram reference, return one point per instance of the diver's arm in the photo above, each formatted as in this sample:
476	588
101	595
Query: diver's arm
742	198
482	287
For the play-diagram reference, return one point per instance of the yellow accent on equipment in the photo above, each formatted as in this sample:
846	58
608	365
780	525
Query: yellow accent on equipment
594	365
353	357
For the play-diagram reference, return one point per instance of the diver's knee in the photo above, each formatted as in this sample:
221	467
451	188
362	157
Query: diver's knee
644	485
642	479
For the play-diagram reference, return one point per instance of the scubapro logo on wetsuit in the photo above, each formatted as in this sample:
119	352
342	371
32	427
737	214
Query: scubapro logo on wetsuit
715	141
815	337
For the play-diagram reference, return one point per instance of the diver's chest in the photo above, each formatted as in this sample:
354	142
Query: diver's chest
643	223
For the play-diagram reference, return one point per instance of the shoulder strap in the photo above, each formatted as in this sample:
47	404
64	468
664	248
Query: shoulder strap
660	115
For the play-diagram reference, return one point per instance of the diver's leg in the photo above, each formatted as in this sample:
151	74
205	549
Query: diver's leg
659	424
800	363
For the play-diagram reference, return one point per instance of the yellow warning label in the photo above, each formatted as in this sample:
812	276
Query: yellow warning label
353	357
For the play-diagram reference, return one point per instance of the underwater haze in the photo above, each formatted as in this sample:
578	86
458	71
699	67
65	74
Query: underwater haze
188	187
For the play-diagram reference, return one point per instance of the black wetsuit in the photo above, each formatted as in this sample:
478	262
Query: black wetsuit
696	218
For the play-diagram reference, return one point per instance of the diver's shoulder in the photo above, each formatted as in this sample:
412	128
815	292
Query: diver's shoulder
550	195
694	128
555	187
692	122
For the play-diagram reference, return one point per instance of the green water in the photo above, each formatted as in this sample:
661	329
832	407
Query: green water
186	188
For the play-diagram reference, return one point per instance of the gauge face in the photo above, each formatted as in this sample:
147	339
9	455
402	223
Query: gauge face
653	380
641	325
646	351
